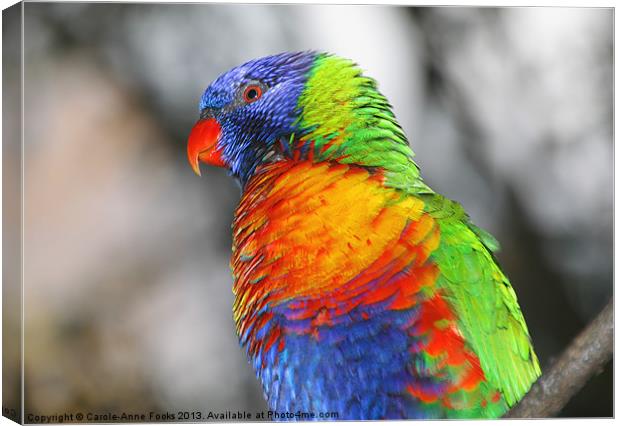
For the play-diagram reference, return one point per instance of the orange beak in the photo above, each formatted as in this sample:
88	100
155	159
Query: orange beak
202	145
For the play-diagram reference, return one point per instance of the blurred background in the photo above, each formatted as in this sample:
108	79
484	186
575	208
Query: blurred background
127	286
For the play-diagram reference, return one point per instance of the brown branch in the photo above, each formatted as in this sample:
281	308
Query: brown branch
587	355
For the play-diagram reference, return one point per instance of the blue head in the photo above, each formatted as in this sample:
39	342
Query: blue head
245	112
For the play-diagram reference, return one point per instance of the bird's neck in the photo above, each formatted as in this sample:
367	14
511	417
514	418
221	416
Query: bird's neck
345	119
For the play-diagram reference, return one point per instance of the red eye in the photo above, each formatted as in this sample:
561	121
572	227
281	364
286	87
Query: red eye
252	93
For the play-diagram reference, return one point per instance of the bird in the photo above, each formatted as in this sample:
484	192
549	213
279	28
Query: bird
358	290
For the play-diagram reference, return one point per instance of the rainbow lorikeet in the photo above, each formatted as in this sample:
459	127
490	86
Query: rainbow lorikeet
358	290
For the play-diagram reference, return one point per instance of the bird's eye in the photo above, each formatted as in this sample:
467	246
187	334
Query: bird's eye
252	93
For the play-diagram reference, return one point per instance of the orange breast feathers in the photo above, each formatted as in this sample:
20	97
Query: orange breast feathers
321	231
323	239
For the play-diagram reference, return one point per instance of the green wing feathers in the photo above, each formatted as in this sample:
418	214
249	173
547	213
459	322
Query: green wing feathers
489	315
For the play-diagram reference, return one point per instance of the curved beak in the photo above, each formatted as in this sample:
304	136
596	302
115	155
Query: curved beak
202	145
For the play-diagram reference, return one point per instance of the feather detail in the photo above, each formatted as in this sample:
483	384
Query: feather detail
363	297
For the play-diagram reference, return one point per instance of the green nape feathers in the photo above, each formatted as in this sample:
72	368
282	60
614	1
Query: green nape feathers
347	118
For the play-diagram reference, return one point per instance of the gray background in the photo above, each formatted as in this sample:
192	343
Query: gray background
128	292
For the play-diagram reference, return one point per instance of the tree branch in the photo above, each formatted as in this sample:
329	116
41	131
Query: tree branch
587	355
